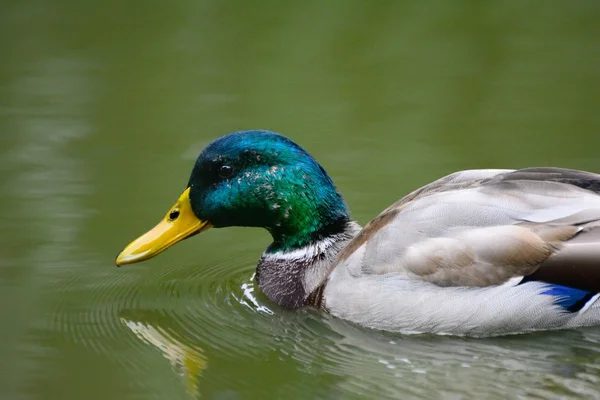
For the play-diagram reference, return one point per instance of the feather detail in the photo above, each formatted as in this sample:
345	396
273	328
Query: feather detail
478	253
571	299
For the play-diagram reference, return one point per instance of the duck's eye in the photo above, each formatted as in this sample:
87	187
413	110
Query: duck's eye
225	171
173	215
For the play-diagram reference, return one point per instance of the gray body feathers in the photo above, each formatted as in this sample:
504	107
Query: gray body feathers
453	256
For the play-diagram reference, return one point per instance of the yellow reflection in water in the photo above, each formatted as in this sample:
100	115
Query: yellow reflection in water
190	362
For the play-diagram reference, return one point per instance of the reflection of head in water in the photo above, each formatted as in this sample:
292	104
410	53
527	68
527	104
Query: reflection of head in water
188	361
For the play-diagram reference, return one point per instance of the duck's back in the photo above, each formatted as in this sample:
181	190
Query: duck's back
477	252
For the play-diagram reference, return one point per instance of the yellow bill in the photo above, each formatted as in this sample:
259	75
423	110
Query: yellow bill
179	223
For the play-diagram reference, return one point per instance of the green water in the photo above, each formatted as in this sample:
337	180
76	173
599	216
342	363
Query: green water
105	105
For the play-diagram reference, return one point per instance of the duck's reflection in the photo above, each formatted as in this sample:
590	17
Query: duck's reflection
189	361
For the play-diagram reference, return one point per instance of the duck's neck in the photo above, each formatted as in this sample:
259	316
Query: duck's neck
291	277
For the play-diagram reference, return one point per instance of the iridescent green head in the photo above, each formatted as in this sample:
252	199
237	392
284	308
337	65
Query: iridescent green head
251	178
263	179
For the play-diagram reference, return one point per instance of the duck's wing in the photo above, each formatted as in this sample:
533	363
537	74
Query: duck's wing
488	227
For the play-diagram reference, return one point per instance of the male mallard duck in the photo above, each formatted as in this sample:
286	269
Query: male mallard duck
480	252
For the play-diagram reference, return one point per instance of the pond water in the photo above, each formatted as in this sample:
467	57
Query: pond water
105	105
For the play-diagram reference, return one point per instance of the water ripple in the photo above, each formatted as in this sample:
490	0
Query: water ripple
205	319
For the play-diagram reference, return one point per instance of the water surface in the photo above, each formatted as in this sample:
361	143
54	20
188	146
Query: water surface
104	107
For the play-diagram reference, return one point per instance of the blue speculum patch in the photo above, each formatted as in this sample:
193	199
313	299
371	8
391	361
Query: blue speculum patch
571	299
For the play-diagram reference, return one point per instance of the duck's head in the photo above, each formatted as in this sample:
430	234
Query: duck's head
250	178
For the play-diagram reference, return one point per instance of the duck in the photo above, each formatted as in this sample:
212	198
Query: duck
476	253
